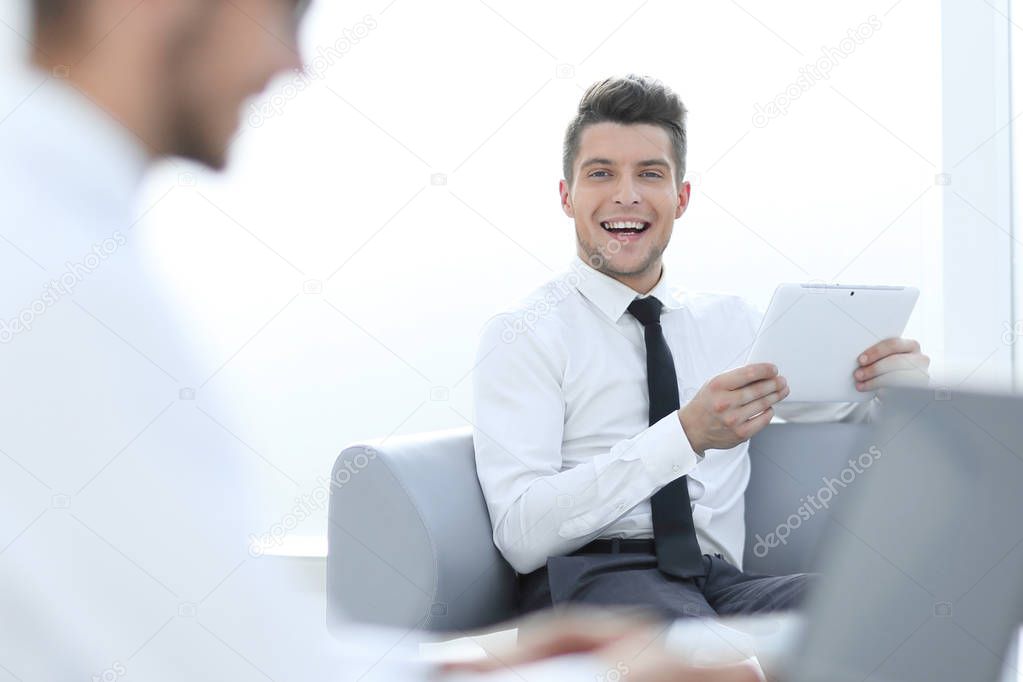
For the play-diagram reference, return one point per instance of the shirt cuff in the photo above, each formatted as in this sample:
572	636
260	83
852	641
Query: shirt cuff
666	452
663	453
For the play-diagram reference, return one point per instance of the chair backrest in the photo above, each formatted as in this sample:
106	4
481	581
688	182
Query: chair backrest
410	542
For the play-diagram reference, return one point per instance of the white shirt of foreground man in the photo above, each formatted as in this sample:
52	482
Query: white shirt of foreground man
124	520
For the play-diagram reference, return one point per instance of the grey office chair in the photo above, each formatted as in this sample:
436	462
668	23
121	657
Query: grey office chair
410	543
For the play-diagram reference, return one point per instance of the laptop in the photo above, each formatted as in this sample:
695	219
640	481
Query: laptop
923	561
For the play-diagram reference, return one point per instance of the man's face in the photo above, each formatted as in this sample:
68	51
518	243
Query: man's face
230	54
624	197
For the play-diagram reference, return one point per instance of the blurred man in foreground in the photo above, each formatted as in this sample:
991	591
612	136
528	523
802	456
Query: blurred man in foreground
122	538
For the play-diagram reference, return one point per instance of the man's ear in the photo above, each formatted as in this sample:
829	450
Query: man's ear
566	199
683	199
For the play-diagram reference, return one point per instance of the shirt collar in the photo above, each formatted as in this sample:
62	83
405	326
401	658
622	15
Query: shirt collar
612	297
77	143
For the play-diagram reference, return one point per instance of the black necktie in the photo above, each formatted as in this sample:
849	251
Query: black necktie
678	552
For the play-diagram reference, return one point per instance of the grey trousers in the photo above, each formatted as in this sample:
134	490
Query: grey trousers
633	580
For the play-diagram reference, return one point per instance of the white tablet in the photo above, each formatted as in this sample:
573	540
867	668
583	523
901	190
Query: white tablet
814	334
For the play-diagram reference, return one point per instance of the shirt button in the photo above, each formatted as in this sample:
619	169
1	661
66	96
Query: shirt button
676	468
620	507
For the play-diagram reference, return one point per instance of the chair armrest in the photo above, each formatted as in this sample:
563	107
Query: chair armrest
409	537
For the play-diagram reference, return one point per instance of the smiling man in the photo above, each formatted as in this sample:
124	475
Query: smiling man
611	416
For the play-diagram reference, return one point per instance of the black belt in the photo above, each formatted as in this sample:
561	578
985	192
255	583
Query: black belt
617	546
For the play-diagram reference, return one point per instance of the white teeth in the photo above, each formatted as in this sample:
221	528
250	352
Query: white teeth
624	225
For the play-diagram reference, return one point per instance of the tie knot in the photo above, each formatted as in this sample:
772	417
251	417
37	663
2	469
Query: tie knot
646	310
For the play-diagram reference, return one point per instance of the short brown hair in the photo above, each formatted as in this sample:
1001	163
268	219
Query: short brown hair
50	15
629	99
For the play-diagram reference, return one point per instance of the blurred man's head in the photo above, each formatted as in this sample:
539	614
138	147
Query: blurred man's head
624	168
175	72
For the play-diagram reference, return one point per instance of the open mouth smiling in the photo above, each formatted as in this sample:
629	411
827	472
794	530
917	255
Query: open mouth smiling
625	227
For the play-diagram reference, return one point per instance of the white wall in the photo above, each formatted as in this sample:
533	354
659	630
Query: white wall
1014	138
332	192
978	201
335	187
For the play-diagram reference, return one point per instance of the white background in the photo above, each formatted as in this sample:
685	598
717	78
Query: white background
336	188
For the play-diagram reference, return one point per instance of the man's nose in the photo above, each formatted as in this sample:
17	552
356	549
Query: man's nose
625	191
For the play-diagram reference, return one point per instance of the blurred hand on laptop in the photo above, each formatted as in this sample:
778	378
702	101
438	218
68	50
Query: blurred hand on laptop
631	644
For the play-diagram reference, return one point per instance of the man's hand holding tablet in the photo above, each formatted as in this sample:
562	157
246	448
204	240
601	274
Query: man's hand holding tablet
732	407
839	343
892	362
813	333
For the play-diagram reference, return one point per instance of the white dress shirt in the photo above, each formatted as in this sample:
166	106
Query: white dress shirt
564	450
125	503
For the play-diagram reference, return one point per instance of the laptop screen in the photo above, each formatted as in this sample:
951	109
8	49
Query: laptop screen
922	572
